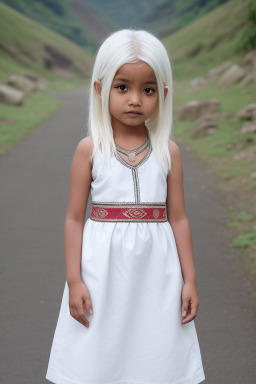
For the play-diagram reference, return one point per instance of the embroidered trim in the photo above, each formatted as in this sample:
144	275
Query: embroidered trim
136	185
123	203
142	161
129	212
137	150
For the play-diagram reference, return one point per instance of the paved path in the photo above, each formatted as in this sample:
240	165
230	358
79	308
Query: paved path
33	198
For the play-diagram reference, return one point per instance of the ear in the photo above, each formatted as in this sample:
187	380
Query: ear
97	87
165	91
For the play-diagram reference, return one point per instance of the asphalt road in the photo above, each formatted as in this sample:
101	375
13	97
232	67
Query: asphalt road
33	198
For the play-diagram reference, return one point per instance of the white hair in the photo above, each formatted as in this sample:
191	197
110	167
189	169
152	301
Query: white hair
130	46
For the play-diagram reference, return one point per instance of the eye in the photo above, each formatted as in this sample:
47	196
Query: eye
122	87
149	91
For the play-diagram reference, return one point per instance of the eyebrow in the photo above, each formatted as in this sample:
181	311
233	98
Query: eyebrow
128	81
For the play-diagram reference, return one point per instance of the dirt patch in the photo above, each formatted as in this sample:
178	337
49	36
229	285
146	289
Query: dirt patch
216	42
57	57
8	122
23	51
197	49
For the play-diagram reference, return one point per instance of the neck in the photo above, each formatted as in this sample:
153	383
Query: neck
128	132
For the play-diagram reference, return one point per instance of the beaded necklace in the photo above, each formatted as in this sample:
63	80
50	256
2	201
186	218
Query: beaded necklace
131	153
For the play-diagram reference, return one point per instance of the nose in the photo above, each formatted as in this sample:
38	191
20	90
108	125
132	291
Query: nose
135	99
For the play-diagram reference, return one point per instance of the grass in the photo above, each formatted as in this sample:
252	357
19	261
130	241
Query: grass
218	149
17	121
23	43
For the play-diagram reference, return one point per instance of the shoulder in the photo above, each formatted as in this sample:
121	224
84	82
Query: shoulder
175	157
84	148
85	145
173	148
174	151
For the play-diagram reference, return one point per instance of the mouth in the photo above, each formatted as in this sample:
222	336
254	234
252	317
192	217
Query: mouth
134	113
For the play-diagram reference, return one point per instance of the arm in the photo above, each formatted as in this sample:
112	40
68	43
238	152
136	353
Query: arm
80	182
177	217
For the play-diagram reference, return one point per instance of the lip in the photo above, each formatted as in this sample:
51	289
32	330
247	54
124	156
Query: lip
133	113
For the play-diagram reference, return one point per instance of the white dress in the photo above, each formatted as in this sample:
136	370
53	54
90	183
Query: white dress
133	273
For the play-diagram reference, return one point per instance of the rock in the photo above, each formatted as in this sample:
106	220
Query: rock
207	125
249	61
197	82
250	78
10	95
232	76
196	108
22	83
32	76
248	112
39	82
248	154
253	175
217	70
249	126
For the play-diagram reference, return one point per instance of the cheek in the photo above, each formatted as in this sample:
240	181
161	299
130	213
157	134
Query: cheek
152	104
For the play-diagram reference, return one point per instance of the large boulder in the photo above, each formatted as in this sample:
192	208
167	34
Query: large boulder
219	69
249	61
10	95
22	83
250	78
207	124
232	76
249	127
248	112
198	82
247	154
38	81
196	108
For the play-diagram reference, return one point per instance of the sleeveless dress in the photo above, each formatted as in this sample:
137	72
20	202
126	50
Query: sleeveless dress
133	274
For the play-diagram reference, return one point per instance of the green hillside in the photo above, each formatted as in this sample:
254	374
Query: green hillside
64	17
26	45
122	13
168	16
208	41
194	50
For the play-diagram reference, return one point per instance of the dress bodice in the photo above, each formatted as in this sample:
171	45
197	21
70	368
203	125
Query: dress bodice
121	182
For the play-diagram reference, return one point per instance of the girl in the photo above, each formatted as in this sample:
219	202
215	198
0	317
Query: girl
130	298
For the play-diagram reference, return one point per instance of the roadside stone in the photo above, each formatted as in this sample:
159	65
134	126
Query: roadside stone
196	108
207	125
22	83
10	95
232	76
248	112
249	126
250	78
219	69
248	154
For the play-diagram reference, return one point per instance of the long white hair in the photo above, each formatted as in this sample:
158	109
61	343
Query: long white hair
130	46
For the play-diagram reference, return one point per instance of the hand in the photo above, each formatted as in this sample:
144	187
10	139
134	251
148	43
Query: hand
190	302
79	301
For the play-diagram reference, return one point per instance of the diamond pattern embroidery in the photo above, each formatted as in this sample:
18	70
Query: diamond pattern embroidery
100	213
135	213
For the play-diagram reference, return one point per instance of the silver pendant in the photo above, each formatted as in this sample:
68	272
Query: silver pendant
131	156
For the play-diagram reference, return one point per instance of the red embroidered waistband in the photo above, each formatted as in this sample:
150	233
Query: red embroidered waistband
129	212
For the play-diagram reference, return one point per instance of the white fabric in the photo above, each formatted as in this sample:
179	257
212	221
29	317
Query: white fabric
132	271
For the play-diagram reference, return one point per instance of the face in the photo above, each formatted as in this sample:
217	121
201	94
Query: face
133	95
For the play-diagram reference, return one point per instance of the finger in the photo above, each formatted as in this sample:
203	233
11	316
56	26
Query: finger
190	316
81	315
88	305
82	318
185	303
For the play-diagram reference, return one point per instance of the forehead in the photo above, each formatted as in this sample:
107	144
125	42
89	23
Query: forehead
135	71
